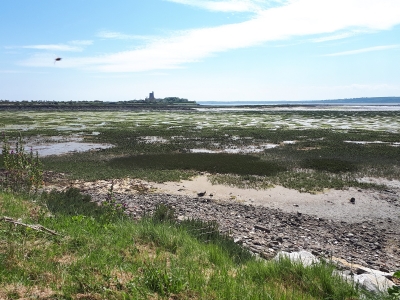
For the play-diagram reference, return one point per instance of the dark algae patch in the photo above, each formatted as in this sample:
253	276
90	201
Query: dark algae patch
330	165
204	162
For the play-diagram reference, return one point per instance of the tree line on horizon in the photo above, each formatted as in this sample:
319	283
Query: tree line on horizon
95	103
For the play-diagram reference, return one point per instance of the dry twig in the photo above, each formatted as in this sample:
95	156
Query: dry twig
37	227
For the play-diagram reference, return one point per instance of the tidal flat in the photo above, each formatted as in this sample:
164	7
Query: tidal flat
304	149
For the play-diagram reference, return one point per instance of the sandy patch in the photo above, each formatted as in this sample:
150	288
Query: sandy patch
331	204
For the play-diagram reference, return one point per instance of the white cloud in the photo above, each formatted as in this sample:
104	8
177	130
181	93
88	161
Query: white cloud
230	5
363	50
106	34
334	37
58	47
81	42
297	19
72	46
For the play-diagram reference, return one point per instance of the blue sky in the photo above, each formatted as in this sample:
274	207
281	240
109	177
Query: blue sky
222	50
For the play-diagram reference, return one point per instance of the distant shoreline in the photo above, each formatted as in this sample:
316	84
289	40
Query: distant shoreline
370	101
383	103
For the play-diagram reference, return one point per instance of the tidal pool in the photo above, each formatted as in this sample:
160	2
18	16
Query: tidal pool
65	147
56	145
234	149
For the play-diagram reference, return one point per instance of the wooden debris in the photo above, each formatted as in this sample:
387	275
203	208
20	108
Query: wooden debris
37	227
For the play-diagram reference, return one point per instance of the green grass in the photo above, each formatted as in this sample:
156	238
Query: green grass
115	257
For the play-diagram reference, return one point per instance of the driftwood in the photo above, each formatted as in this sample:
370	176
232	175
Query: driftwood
37	227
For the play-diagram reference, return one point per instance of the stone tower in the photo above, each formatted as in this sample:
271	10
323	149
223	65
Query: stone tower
151	96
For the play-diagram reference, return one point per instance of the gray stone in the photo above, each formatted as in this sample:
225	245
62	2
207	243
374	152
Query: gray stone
373	282
273	244
303	257
262	228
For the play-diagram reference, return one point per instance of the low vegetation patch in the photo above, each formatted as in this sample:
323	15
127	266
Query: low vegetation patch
329	165
212	163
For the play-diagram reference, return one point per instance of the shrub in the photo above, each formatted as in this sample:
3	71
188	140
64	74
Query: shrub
23	172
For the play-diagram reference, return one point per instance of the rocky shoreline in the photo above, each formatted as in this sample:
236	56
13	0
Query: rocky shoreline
373	243
265	231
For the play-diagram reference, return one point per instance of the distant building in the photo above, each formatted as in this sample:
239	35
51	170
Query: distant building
151	96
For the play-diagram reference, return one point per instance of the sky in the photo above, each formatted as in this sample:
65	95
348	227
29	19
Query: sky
202	50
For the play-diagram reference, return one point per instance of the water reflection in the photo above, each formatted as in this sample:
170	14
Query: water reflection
65	147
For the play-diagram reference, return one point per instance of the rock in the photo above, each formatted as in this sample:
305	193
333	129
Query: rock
384	269
182	218
238	240
364	270
353	200
262	228
315	253
360	271
273	244
258	243
373	282
303	257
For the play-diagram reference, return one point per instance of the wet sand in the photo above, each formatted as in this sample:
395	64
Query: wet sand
331	204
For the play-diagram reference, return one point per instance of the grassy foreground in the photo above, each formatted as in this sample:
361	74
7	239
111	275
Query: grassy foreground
99	253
